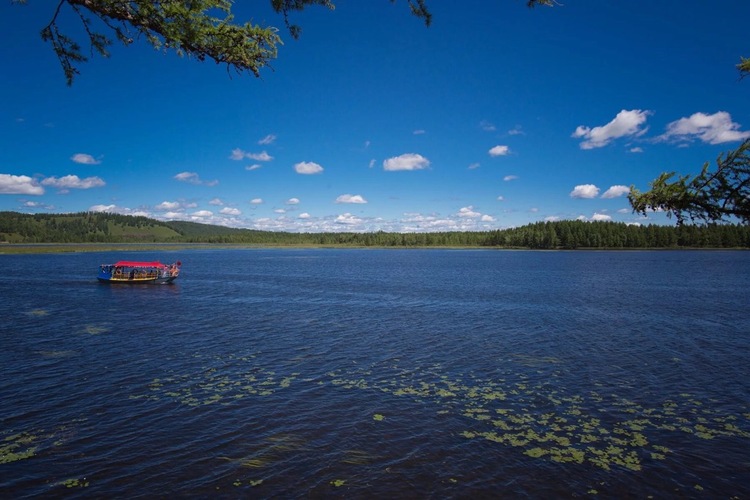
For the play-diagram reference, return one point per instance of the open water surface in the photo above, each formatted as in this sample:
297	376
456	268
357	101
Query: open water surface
378	373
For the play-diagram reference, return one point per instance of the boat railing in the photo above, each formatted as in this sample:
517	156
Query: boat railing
137	275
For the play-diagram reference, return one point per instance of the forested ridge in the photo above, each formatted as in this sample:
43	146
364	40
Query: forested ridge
96	227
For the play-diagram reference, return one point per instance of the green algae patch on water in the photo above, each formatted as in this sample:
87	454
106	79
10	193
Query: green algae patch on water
218	384
18	447
599	428
536	452
95	329
26	444
74	483
596	428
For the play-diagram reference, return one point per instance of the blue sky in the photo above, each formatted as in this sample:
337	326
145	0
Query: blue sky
496	116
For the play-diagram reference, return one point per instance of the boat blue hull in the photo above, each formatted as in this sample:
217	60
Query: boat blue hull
155	281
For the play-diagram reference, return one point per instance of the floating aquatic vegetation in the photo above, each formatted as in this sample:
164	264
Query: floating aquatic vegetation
218	385
74	483
253	482
338	482
95	329
18	447
38	312
26	444
604	430
540	419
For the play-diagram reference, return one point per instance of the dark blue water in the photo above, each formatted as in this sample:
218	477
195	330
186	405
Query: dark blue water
378	373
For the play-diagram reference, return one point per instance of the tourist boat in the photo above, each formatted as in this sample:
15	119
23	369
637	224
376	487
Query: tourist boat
126	271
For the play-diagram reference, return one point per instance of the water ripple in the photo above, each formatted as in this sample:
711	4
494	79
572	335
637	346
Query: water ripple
430	374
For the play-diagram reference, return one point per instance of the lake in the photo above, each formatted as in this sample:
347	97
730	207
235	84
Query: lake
337	373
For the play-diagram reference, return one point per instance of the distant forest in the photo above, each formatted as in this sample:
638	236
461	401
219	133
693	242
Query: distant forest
96	227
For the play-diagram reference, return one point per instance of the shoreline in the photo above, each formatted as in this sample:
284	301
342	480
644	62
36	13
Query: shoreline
46	248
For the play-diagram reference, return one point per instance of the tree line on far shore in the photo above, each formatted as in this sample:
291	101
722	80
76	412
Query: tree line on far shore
96	227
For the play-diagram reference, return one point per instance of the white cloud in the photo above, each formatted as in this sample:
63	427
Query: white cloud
38	205
85	159
717	128
465	219
552	218
256	201
499	151
307	168
501	198
510	178
193	178
474	166
517	130
167	206
262	156
292	201
230	211
203	213
216	201
239	154
419	132
269	139
190	177
627	123
280	211
351	198
585	191
601	217
408	161
616	191
103	208
303	215
19	184
348	219
468	212
487	126
253	167
636	149
73	182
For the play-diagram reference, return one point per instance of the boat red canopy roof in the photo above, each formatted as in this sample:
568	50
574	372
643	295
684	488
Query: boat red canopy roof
132	263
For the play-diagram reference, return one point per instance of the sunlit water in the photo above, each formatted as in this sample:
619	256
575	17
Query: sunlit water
387	373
